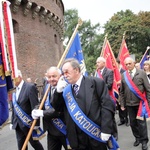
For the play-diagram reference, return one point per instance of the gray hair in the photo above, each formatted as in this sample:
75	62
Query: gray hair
74	63
54	68
129	58
101	59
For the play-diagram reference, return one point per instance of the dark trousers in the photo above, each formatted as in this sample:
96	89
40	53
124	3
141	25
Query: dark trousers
101	146
123	115
21	137
56	142
115	129
138	127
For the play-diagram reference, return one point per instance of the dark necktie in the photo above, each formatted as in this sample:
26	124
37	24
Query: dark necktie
52	91
131	74
148	76
75	88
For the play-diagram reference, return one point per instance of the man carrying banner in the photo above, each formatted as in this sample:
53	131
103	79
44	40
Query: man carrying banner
87	106
135	94
24	100
52	119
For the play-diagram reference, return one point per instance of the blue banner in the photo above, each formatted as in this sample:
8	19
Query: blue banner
4	112
145	57
75	51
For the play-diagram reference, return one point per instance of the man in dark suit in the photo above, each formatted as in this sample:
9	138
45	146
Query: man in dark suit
25	97
108	77
55	138
129	98
92	98
123	115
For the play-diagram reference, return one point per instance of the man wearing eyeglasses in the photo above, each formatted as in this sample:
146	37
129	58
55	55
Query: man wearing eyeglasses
86	103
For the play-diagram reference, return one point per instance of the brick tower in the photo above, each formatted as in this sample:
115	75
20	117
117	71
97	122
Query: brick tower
38	31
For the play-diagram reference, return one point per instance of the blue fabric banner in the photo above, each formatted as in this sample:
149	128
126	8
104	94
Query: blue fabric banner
145	57
4	112
75	51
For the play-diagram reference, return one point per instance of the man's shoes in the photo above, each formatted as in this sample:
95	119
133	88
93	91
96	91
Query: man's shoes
144	146
121	123
136	143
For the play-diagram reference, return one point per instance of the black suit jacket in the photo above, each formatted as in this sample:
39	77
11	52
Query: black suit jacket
27	100
108	77
94	100
47	120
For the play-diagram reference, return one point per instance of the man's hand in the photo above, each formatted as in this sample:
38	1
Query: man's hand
61	84
105	137
36	113
122	108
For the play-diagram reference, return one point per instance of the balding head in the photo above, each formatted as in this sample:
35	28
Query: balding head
53	74
100	63
130	63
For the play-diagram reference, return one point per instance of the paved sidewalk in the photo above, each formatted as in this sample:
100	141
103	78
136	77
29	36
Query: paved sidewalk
126	139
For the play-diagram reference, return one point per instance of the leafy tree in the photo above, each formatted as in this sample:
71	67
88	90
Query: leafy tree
136	28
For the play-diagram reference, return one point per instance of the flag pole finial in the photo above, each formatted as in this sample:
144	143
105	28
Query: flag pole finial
148	47
124	34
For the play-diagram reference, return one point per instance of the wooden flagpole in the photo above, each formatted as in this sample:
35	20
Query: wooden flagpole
121	44
104	45
148	47
46	93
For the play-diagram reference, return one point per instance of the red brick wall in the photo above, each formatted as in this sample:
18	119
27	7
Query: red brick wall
35	43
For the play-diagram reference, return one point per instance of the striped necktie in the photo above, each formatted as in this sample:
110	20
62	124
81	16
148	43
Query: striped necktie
75	88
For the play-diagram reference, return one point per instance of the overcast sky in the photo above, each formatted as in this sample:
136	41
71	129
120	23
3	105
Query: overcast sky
100	11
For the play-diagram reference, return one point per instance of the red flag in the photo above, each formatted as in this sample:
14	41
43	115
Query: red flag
111	64
124	53
7	41
8	61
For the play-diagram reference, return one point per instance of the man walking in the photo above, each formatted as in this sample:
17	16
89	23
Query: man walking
134	84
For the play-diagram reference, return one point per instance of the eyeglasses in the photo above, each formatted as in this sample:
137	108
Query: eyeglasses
68	71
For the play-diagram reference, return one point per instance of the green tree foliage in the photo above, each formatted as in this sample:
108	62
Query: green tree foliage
135	26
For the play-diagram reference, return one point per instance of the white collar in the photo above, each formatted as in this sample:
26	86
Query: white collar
79	81
133	71
20	85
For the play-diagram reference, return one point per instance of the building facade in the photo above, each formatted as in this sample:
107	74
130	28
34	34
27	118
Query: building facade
38	30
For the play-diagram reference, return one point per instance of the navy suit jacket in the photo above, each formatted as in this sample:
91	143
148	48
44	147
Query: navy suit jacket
27	100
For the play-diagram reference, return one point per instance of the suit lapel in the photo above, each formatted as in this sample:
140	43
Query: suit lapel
88	94
136	73
104	72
